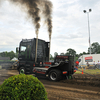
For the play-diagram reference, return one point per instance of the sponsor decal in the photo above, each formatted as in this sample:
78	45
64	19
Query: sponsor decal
89	59
39	71
47	63
64	57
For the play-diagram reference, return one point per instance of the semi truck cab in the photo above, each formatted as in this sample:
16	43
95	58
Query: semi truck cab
61	68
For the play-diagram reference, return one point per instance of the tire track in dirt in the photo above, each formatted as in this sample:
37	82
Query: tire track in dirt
66	93
73	89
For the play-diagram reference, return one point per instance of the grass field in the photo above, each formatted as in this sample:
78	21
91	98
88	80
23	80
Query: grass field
89	71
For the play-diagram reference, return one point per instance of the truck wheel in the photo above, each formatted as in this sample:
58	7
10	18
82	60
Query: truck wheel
22	70
55	75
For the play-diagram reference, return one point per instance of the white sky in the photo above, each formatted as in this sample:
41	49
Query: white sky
70	26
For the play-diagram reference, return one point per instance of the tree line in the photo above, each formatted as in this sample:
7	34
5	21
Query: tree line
95	49
10	54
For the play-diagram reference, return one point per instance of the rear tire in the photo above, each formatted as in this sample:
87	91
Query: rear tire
22	70
55	75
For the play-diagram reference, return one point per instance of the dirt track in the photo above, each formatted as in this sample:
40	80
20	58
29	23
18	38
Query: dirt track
65	89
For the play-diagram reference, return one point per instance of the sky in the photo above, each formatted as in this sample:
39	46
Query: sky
70	26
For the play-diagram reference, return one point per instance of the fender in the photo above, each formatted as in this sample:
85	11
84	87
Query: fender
44	70
57	65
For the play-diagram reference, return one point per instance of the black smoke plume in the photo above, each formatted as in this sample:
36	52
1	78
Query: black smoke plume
48	18
34	9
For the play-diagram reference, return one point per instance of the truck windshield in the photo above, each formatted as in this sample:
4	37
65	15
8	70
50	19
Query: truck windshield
23	48
79	60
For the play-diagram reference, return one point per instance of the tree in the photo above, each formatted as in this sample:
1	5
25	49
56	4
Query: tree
98	49
55	54
10	54
95	48
51	57
71	52
84	53
76	57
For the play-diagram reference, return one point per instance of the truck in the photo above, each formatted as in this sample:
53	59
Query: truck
61	68
90	58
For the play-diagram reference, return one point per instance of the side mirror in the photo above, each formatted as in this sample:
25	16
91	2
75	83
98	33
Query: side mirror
17	49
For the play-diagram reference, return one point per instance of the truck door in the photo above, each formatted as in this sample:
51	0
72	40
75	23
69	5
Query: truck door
22	52
25	51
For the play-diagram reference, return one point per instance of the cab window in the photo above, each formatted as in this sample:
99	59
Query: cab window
79	60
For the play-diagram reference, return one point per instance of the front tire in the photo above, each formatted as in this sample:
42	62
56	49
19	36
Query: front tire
55	75
22	70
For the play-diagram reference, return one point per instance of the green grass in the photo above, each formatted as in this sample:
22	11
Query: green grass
4	60
89	71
